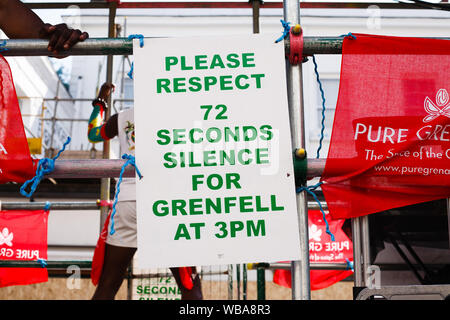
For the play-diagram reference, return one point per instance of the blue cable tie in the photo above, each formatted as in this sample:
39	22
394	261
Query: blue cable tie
310	189
2	46
130	73
349	265
137	36
348	35
323	107
141	44
130	161
42	262
286	29
47	206
45	166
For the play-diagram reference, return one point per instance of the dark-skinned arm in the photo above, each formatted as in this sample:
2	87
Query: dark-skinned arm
19	22
98	130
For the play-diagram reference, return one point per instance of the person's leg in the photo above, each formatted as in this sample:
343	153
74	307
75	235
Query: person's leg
117	260
196	292
119	250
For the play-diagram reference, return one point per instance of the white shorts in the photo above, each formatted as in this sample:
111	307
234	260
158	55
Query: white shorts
125	234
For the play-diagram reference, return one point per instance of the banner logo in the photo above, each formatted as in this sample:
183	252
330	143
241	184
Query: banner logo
315	233
6	237
442	108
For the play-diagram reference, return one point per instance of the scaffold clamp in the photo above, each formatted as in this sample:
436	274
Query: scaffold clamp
300	166
296	45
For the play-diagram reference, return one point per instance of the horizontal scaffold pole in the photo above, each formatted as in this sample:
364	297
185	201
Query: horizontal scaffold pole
63	264
287	266
85	264
89	47
124	46
85	205
88	205
110	168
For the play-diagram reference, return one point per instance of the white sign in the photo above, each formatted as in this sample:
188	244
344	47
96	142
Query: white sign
159	284
213	144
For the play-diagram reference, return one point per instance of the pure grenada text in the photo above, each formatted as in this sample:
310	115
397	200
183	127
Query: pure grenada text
204	82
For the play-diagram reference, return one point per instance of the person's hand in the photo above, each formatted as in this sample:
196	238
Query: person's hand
61	37
106	89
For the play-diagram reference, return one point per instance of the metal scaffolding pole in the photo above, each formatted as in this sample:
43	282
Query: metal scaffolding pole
105	184
357	254
81	205
287	266
124	46
256	4
100	168
85	205
63	264
300	269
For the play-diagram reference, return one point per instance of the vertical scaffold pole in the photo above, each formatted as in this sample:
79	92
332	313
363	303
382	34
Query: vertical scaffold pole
255	14
105	184
300	269
365	248
357	258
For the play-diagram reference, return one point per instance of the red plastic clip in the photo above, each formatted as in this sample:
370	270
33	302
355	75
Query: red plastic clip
295	45
104	203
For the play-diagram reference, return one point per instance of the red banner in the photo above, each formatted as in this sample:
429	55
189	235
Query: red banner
23	236
99	253
15	160
390	144
323	250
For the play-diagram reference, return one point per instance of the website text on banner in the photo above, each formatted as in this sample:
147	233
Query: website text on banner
390	144
323	250
23	236
15	160
213	144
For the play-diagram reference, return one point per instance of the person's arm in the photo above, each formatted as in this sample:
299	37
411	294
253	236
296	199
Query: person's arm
98	130
19	22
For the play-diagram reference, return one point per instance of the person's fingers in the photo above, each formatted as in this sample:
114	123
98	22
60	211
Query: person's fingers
52	42
54	33
74	37
84	36
62	38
